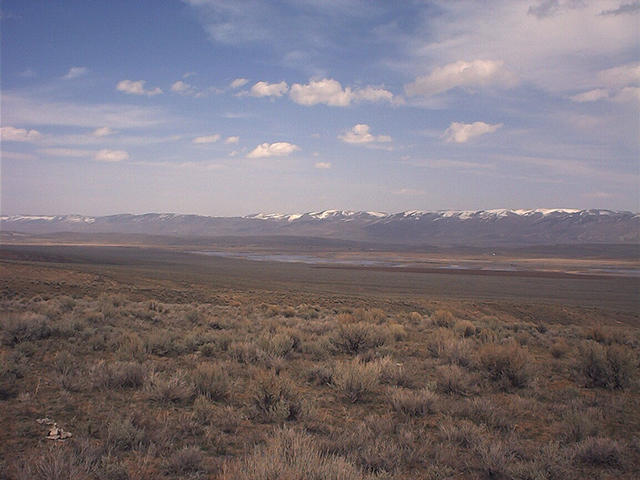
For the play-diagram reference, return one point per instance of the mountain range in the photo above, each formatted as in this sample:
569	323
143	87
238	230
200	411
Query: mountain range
442	228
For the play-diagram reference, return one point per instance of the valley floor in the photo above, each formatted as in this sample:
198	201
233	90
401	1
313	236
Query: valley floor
163	364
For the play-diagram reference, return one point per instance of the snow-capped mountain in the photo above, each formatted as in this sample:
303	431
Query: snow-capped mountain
443	227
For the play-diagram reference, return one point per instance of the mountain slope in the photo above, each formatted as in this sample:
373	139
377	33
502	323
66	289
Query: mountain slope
450	227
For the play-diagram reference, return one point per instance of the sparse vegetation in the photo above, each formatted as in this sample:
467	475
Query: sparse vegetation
199	382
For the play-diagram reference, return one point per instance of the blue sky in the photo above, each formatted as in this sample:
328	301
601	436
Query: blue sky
223	107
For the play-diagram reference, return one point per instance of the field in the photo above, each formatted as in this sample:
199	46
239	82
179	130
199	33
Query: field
167	364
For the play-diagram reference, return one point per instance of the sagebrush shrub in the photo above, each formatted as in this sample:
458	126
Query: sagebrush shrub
356	379
274	399
25	327
211	380
414	403
510	366
612	367
290	454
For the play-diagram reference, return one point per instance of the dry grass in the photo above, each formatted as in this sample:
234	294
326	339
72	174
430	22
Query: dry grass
266	386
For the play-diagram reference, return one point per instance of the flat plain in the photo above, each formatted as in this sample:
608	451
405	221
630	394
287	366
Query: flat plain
169	364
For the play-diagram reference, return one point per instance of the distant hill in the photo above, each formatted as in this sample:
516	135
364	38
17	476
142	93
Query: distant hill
440	228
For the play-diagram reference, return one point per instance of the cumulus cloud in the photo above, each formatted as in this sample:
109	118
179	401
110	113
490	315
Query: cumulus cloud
278	149
102	132
477	73
463	132
238	82
12	134
360	134
207	139
183	88
323	165
265	89
232	140
330	92
136	88
75	72
111	155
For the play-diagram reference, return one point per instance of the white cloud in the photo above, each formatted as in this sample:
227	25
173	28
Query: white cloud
359	135
572	42
104	155
75	72
278	149
238	82
136	88
330	92
409	192
183	88
591	95
207	139
322	165
23	110
373	94
264	89
102	132
232	140
67	152
627	95
111	155
463	132
621	82
620	76
17	156
477	73
12	134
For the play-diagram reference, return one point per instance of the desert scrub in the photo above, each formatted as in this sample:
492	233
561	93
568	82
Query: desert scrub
508	366
124	434
174	389
356	379
414	403
612	367
599	451
443	343
25	327
212	381
355	338
246	352
187	460
105	375
452	379
443	318
274	399
279	344
463	433
290	454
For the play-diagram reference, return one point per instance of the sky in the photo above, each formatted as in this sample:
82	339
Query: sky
232	107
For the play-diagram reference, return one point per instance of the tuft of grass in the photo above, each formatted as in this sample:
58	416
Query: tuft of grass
212	381
414	403
290	454
174	389
187	460
355	379
117	375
